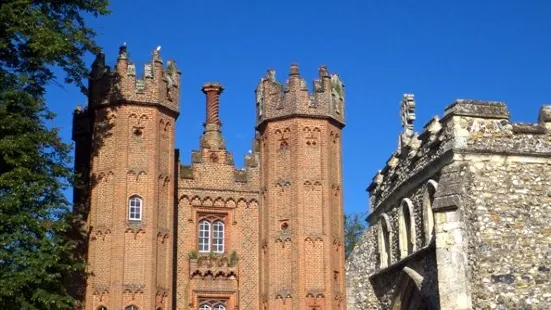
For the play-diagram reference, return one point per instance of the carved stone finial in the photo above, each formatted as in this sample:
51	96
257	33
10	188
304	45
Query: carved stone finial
123	52
337	93
294	71
407	112
171	74
270	75
378	178
323	72
260	98
407	116
156	55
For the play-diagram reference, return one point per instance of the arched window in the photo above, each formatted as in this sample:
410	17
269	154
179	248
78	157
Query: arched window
102	308
204	236
406	223
135	205
131	307
211	234
385	251
428	217
212	305
218	237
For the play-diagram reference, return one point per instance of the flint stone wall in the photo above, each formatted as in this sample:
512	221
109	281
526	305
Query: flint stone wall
492	209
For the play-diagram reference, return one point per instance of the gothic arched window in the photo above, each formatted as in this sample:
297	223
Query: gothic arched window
385	250
218	237
428	217
204	236
407	235
135	206
212	305
131	307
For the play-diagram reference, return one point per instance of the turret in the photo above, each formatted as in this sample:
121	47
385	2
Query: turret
125	155
301	219
276	101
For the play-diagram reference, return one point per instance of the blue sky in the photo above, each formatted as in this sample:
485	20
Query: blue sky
438	50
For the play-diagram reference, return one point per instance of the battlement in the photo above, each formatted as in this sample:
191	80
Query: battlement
81	123
467	127
239	175
157	86
275	100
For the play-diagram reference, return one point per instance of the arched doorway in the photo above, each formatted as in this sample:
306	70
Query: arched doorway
408	295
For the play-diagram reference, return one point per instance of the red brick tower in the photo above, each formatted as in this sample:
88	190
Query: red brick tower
125	148
301	217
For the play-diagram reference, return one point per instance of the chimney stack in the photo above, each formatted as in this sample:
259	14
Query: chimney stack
213	91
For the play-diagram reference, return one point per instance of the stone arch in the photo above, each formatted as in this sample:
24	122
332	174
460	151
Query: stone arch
241	201
384	244
406	228
184	199
231	203
195	201
219	202
253	203
207	202
428	216
408	294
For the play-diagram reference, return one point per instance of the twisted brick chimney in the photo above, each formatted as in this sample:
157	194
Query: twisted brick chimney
212	136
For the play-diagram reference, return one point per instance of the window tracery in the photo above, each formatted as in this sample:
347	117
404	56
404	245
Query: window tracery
211	234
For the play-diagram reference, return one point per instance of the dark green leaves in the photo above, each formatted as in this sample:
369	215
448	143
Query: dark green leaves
36	255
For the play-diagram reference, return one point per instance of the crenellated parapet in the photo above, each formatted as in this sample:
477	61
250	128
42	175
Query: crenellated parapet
81	123
159	85
275	100
467	127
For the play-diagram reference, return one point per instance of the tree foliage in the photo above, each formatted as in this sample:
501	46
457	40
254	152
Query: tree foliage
353	229
36	37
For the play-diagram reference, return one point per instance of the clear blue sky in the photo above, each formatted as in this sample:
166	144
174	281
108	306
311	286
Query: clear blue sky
438	50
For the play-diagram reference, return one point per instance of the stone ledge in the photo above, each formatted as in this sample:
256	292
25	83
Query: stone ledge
477	108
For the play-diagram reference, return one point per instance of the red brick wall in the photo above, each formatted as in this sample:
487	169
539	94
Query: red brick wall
302	188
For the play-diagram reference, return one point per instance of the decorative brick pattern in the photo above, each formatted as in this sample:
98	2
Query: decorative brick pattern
301	211
282	213
128	155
